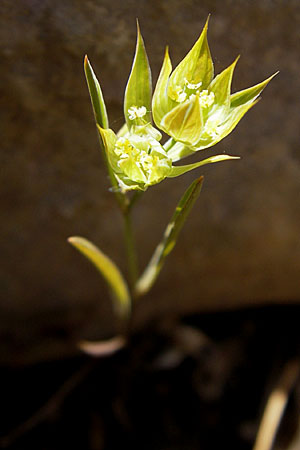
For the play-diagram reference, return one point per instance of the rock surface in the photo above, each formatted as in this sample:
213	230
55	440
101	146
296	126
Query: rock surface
240	246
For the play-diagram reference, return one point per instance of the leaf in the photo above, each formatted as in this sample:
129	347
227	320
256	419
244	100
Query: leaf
102	348
96	95
161	102
101	119
139	87
249	95
180	170
170	236
109	271
196	66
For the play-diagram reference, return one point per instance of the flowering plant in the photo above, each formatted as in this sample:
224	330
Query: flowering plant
195	110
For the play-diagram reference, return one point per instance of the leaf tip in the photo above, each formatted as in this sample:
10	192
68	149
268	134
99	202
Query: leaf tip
137	25
74	240
139	38
86	63
207	21
236	60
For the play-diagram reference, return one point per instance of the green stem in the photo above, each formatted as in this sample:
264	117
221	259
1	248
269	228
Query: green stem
169	144
130	249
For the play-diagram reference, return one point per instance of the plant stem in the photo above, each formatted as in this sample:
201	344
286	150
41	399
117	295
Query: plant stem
130	249
169	144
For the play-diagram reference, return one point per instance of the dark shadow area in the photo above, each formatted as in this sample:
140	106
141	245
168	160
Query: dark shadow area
199	383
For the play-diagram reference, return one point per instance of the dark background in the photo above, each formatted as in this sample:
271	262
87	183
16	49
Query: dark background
241	244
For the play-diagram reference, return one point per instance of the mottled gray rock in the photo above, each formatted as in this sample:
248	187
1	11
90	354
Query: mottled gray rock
241	245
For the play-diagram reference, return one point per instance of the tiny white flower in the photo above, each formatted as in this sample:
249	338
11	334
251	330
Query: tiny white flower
136	112
179	95
192	86
211	129
206	99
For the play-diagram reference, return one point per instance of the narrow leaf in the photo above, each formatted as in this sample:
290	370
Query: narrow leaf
139	88
96	95
102	348
101	121
168	242
180	170
248	95
108	270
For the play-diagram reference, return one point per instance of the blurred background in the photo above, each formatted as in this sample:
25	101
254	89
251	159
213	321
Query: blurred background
240	248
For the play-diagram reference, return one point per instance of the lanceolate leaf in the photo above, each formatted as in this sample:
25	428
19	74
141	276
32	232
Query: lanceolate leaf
168	242
139	88
109	271
101	120
96	95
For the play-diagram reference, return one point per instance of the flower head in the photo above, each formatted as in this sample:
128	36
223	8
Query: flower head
194	108
191	106
136	112
138	160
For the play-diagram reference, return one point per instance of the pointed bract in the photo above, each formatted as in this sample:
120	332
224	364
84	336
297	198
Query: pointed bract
221	85
139	87
196	67
161	102
250	94
184	123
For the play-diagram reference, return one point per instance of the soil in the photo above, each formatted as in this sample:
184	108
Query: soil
200	382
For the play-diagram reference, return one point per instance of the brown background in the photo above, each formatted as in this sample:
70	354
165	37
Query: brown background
241	244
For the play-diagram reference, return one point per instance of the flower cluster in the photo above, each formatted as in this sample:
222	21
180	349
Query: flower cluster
194	108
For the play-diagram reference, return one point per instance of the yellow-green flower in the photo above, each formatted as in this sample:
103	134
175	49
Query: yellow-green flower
191	106
138	160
